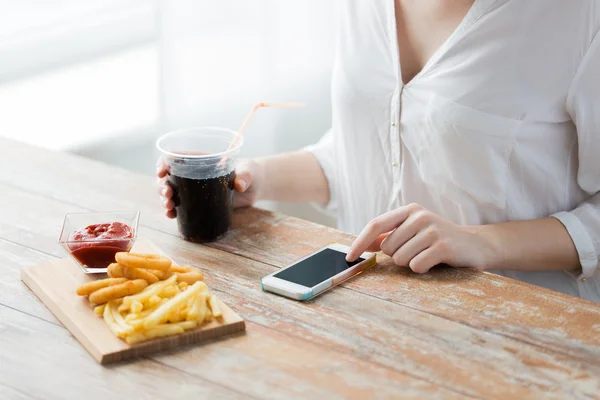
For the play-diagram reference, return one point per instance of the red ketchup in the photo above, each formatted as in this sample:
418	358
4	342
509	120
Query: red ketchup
95	246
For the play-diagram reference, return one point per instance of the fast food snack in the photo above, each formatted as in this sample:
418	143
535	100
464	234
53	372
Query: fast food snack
88	288
118	291
180	268
137	310
190	277
161	275
144	261
215	307
117	270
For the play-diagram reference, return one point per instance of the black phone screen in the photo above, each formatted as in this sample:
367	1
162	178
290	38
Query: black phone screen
317	268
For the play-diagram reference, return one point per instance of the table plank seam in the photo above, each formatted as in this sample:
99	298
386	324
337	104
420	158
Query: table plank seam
27	395
484	329
68	203
368	360
28	247
31	315
245	395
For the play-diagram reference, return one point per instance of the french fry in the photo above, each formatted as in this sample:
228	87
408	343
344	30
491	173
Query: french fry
116	270
151	290
145	313
174	317
118	318
170	291
99	310
135	338
131	317
163	330
186	324
203	311
136	307
164	311
136	321
90	287
215	307
182	285
113	292
157	331
183	313
137	324
162	275
144	261
180	268
196	309
110	320
189	277
154	300
203	287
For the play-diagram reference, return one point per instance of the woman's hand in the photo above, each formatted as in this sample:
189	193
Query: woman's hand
419	239
248	182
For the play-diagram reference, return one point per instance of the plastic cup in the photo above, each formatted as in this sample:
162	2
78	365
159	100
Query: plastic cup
201	173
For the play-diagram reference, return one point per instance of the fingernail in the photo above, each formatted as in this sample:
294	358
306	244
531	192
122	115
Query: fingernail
163	192
243	184
165	203
158	169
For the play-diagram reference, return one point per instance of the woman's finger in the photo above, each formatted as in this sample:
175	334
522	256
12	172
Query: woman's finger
171	213
399	236
243	177
169	204
166	191
376	245
162	169
160	184
410	249
382	224
426	260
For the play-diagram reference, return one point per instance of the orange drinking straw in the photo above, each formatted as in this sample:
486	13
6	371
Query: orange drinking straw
240	132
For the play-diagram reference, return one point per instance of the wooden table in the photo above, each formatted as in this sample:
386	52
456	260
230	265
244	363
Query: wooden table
453	333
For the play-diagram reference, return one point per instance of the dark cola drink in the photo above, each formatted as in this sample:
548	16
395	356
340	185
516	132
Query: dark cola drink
204	206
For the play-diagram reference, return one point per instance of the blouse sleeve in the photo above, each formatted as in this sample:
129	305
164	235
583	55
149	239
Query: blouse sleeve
583	104
324	152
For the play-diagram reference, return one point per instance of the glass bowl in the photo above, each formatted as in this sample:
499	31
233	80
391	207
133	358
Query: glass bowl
94	255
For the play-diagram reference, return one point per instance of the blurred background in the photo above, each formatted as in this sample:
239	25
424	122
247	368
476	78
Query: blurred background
105	78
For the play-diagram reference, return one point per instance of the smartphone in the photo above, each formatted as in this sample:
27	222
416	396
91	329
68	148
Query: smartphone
316	273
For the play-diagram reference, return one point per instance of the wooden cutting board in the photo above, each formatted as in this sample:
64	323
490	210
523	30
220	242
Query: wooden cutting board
55	282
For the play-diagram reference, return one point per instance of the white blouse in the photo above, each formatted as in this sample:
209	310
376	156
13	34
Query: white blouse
502	123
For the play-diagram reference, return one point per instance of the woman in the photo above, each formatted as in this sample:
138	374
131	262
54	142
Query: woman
464	132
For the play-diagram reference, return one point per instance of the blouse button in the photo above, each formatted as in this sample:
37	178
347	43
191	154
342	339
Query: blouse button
583	279
395	163
394	123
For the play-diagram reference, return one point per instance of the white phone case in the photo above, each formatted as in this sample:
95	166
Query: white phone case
294	291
